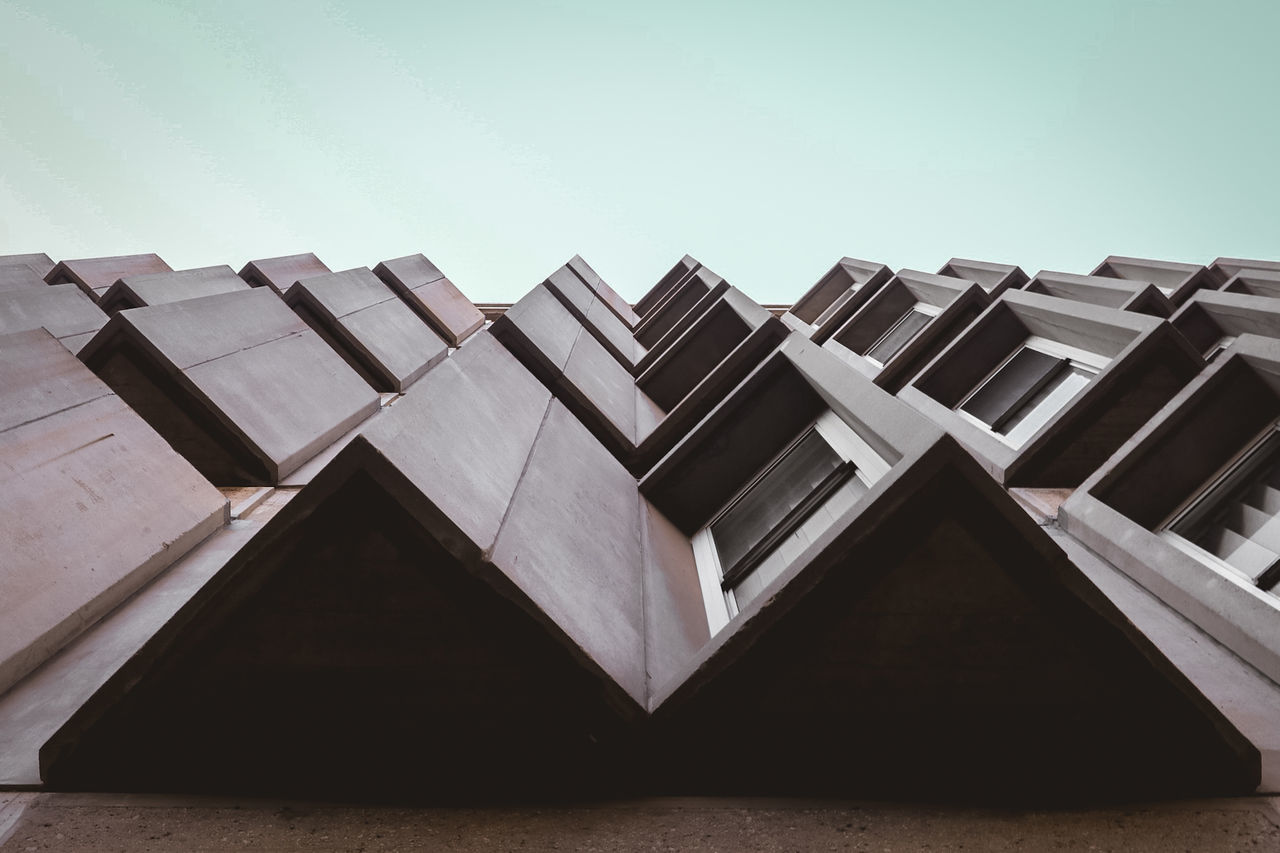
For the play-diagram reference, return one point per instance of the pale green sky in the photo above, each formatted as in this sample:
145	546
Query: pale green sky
767	140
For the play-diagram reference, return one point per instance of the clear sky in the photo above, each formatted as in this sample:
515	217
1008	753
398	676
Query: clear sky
767	140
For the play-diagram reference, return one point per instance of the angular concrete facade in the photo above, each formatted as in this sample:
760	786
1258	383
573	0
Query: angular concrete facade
682	546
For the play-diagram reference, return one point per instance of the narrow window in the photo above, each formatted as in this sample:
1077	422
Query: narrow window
1028	389
1234	523
788	504
898	335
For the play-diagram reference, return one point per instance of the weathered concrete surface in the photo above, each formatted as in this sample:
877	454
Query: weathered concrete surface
93	503
993	278
1176	280
607	294
63	309
243	364
596	316
369	326
40	703
434	297
136	291
279	274
15	276
98	822
95	275
38	261
1123	293
571	542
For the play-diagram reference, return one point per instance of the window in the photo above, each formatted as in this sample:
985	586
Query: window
1028	388
1233	524
834	307
788	504
1218	346
900	333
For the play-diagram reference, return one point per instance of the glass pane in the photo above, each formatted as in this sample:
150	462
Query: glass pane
899	336
1015	382
754	582
1243	527
1046	403
768	502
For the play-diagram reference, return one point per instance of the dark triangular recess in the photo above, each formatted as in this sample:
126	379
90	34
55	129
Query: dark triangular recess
949	654
351	656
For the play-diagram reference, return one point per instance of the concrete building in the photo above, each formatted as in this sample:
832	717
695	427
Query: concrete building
963	538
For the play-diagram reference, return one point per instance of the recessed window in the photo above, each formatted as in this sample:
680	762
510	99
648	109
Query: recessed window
1218	346
900	333
1028	388
1233	524
787	505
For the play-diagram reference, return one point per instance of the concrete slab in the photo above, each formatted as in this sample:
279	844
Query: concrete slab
95	275
369	326
434	297
280	273
38	261
42	702
93	505
993	278
235	381
63	309
607	294
19	276
571	542
137	291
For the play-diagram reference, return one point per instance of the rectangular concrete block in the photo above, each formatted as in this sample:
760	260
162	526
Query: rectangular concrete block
95	275
607	294
19	276
236	381
137	291
63	309
571	543
93	502
38	261
369	326
279	274
436	299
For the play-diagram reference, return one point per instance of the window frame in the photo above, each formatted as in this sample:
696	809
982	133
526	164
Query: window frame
1077	358
930	311
868	467
1209	498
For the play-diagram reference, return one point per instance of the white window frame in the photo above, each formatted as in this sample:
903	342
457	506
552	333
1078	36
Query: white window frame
1090	362
925	308
868	466
1202	503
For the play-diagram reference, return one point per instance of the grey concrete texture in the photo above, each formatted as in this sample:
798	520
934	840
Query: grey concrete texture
38	261
1255	282
63	309
374	330
280	273
1125	294
94	503
607	294
1210	315
1222	269
678	272
1176	280
595	315
137	291
435	298
95	275
995	278
71	822
14	276
245	362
